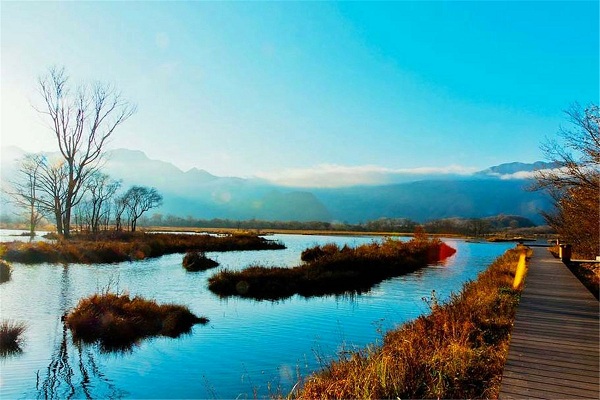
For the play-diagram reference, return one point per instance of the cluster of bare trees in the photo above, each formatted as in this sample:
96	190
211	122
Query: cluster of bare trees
575	185
71	187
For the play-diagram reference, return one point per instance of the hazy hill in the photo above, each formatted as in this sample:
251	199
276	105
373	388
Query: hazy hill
199	194
434	199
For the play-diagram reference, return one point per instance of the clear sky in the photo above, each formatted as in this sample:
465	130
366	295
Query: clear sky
281	89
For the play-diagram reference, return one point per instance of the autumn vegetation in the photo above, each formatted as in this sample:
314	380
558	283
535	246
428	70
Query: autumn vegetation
115	246
5	271
118	321
574	185
330	269
457	351
11	336
194	261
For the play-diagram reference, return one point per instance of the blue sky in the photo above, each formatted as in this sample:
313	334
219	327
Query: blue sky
292	89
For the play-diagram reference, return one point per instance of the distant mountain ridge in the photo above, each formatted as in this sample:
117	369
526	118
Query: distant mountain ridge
199	194
515	167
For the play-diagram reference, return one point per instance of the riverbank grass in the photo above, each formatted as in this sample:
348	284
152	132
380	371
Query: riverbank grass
457	351
11	336
118	321
113	246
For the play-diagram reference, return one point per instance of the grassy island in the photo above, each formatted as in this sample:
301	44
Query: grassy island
194	261
330	269
117	321
113	246
458	351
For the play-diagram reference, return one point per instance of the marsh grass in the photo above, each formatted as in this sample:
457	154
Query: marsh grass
115	246
457	351
330	269
11	336
5	271
117	321
194	261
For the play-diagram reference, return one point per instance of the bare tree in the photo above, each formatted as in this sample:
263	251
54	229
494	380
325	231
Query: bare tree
477	226
100	190
577	154
24	190
120	205
575	185
140	199
82	120
52	183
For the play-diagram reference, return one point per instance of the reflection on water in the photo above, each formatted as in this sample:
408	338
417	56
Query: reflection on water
62	381
10	235
249	349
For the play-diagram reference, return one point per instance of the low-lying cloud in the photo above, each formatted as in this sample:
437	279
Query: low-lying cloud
332	175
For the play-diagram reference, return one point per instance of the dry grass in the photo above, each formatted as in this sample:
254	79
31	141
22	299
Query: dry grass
11	336
127	246
5	271
330	269
118	321
458	351
194	261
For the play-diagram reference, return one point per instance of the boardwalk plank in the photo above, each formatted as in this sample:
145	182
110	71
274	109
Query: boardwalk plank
554	351
556	373
537	362
556	385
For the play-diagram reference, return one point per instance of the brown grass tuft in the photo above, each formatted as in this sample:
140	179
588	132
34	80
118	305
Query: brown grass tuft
118	321
5	271
194	261
11	336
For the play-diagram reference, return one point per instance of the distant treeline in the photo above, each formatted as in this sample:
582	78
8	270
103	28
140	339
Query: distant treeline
462	226
459	226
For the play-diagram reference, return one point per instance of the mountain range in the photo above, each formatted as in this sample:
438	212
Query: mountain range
497	190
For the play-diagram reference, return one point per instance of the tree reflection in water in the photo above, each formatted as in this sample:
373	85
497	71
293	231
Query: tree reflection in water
61	381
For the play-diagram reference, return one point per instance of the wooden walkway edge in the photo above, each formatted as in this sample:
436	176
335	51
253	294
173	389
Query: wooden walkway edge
553	351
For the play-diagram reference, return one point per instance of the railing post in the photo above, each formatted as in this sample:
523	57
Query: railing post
565	253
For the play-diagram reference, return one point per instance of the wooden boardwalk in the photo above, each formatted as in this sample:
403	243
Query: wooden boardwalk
553	352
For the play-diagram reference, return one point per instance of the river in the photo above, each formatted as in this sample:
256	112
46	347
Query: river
248	349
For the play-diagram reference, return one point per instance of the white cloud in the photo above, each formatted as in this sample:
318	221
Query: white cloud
517	175
332	175
529	174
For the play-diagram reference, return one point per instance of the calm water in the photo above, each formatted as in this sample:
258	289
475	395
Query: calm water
248	349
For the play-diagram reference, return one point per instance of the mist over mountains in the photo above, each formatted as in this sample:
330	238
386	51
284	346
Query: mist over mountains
420	196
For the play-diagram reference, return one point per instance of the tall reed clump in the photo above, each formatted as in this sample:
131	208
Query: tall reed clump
458	351
118	321
5	271
329	269
11	336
